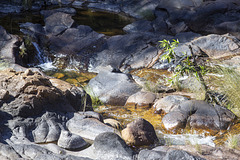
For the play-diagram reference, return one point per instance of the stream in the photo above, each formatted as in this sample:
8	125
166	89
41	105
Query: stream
109	24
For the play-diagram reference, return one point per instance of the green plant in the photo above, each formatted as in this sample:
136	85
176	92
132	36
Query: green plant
95	100
185	66
232	141
3	64
227	83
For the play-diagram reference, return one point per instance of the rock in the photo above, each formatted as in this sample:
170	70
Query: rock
166	104
179	154
75	95
47	129
141	99
175	120
113	88
75	46
7	152
58	23
8	46
180	4
199	115
110	146
71	141
47	13
150	155
32	94
137	53
87	127
4	94
139	26
218	46
139	132
106	6
219	17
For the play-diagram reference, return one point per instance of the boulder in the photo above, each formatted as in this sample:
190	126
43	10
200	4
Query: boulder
112	88
110	146
71	141
218	46
139	132
31	93
199	115
88	128
141	99
150	154
58	23
166	104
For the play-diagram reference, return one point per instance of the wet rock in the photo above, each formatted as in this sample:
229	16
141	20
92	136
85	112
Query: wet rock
139	132
58	23
87	127
112	88
141	99
166	104
199	115
71	141
181	4
113	123
218	46
111	146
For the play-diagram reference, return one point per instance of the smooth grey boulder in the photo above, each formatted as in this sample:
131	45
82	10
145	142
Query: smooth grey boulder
180	154
146	154
71	141
87	128
199	115
141	99
110	146
112	88
166	104
58	23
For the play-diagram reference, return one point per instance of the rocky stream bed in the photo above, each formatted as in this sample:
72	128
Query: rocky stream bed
84	79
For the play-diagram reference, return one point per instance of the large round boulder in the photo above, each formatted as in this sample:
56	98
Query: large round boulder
139	132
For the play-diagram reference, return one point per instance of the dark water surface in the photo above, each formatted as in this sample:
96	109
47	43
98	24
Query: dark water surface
102	22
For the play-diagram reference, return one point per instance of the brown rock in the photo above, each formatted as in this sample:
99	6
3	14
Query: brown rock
139	132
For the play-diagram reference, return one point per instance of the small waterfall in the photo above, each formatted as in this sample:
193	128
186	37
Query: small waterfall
44	62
